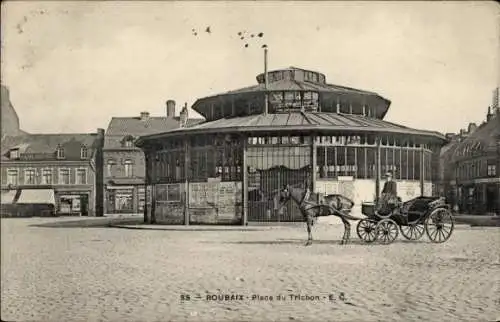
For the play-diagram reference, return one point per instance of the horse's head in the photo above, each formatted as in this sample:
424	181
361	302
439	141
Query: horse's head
284	195
288	192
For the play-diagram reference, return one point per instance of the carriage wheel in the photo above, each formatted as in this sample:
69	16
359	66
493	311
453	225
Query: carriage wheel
412	232
439	225
387	231
366	230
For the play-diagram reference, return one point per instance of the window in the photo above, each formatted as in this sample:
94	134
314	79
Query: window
141	196
47	176
128	168
109	166
81	176
168	193
12	176
128	143
60	152
64	176
492	170
29	176
14	154
83	152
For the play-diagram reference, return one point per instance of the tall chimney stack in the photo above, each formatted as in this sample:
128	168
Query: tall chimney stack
170	109
144	116
495	106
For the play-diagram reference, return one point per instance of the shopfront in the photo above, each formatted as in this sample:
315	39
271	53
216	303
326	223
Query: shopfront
125	199
73	203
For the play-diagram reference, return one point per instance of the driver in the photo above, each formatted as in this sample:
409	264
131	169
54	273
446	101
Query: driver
389	198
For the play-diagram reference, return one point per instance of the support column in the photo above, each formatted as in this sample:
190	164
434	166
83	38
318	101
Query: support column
422	170
233	108
377	170
314	162
152	182
244	222
484	199
148	169
186	180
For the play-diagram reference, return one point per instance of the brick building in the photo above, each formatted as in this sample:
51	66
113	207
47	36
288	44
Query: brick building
63	167
470	166
124	166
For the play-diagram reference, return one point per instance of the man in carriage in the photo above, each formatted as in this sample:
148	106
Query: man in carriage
389	200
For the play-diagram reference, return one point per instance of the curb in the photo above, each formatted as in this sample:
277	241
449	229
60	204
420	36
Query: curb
190	228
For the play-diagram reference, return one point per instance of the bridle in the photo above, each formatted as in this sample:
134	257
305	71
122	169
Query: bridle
303	202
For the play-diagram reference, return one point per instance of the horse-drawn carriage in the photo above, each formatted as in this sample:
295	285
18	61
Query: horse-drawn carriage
412	218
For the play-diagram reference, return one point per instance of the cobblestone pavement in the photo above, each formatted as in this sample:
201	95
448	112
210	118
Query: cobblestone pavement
111	274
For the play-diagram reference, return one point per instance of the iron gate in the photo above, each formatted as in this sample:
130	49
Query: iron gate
269	169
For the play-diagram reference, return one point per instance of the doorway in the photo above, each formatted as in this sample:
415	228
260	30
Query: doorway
492	198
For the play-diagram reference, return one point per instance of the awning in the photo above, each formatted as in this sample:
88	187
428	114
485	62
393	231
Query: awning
7	197
120	187
37	196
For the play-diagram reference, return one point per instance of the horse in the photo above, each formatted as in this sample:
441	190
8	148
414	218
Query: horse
334	205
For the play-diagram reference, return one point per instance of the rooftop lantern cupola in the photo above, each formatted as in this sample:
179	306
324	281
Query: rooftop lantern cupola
291	90
293	74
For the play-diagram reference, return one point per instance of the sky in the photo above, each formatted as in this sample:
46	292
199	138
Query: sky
71	66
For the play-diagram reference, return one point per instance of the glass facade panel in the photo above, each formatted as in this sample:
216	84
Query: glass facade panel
361	163
371	160
337	155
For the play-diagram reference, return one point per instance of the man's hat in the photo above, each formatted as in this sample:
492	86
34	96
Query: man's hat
388	174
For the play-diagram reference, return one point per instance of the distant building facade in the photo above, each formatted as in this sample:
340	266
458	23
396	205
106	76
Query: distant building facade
470	166
67	165
124	163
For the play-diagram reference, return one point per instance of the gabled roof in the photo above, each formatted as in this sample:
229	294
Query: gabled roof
46	143
120	127
483	140
318	121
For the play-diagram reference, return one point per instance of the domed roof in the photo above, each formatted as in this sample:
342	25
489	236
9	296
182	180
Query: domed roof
297	80
484	140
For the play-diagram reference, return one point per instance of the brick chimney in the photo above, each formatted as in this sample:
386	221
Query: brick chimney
183	116
170	109
489	115
144	116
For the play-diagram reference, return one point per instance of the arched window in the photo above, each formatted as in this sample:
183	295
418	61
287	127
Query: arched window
84	152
